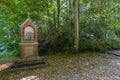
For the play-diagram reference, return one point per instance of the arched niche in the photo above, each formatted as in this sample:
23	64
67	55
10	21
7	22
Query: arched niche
29	34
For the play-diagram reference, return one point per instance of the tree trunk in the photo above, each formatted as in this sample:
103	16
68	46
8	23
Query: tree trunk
54	18
58	13
48	14
118	10
75	2
101	7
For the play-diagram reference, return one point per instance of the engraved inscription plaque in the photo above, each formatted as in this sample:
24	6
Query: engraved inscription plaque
29	50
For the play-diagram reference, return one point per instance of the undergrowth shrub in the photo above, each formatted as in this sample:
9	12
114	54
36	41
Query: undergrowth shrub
100	45
89	40
115	43
117	32
58	41
12	46
9	54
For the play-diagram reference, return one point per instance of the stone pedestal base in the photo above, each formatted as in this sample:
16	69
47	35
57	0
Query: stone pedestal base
28	49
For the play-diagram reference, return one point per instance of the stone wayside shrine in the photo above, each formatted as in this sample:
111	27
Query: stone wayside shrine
28	37
28	50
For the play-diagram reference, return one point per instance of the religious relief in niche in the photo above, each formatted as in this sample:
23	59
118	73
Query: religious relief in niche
29	34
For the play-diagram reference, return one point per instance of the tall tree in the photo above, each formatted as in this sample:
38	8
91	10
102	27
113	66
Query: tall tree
58	12
48	14
75	2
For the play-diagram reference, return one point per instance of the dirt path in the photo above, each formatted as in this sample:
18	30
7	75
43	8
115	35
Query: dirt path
115	52
83	66
111	71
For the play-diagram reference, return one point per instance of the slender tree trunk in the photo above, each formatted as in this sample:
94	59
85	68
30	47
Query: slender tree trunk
48	14
76	24
54	18
100	8
70	13
58	13
118	12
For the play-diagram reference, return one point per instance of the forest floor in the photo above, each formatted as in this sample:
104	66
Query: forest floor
82	66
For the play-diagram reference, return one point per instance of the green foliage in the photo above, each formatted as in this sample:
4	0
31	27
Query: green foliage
97	19
94	45
117	32
115	43
2	47
9	54
61	41
9	43
8	48
70	50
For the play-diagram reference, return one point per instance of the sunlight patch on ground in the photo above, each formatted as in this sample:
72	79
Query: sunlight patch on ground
5	66
33	77
116	62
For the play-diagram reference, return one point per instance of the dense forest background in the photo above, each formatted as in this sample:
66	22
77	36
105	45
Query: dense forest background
99	24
